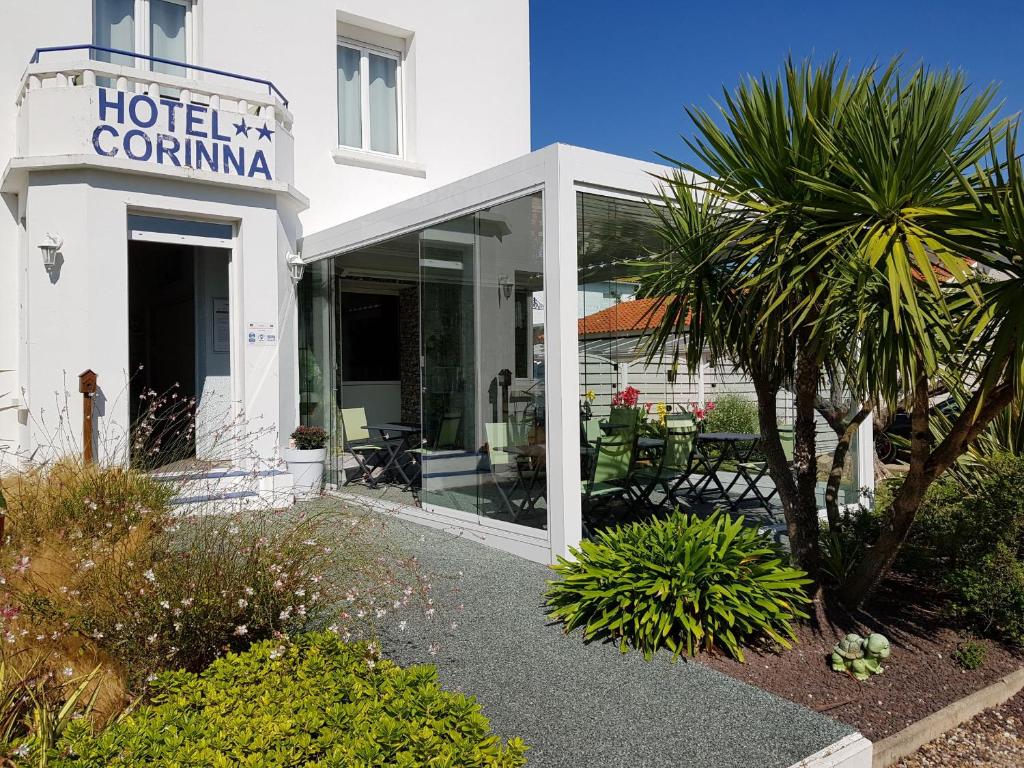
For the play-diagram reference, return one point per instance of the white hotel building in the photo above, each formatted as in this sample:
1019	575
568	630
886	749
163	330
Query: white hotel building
166	165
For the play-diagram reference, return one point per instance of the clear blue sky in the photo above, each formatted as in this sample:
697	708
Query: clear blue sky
616	76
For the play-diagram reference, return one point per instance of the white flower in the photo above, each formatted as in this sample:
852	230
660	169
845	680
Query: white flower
68	671
243	603
285	614
22	565
85	565
381	613
149	576
249	591
277	653
21	751
300	592
165	605
152	638
402	625
241	630
187	601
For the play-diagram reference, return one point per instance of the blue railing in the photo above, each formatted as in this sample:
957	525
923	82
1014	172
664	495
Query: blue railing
271	88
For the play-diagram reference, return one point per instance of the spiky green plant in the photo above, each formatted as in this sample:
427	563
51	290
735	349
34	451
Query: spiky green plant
681	583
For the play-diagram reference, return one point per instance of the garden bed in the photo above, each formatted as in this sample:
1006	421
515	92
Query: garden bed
921	677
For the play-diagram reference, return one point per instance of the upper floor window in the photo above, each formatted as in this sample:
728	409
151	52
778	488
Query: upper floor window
160	28
369	98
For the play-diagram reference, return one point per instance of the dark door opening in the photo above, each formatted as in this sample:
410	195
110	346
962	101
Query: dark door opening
162	352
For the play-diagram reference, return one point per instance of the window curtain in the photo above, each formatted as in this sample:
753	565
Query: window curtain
114	27
167	36
383	104
350	131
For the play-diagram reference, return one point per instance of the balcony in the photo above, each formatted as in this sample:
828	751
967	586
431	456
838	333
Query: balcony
204	125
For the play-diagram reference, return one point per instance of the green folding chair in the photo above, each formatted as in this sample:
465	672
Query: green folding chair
678	460
753	471
503	465
447	436
609	472
356	439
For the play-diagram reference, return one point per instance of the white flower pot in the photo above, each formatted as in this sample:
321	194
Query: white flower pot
306	468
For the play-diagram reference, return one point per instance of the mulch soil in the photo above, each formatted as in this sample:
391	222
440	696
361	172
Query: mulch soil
993	739
921	676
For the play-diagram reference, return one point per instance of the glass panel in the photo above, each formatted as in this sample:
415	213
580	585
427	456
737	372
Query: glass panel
482	331
318	401
350	105
167	36
114	27
383	104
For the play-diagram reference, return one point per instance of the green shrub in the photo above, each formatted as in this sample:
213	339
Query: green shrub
733	413
990	594
959	525
681	583
970	654
316	702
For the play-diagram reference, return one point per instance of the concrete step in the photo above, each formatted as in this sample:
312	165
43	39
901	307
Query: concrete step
229	489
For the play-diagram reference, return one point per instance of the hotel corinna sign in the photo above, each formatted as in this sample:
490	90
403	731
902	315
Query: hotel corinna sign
168	132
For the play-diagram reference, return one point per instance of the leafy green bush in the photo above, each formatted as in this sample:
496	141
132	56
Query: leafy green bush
681	583
733	413
990	594
316	701
970	654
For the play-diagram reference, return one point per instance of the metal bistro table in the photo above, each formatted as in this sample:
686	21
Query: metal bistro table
731	445
397	438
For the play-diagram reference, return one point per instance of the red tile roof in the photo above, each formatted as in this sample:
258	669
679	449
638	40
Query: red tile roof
625	317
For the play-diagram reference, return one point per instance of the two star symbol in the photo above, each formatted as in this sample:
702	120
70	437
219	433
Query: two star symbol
243	129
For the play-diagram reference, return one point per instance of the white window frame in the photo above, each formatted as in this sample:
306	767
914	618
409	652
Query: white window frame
143	41
365	49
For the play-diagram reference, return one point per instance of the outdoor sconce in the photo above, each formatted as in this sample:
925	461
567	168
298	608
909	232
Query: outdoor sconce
296	266
506	286
50	247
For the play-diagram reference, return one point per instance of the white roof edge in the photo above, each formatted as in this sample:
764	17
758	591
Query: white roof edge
587	168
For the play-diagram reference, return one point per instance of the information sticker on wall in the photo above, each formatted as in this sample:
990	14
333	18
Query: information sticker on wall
261	334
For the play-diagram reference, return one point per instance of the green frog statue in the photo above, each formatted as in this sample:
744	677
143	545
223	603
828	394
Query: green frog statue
860	656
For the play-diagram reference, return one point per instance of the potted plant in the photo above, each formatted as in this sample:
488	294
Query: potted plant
305	455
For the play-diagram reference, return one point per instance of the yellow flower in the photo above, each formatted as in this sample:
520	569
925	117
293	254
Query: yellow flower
591	395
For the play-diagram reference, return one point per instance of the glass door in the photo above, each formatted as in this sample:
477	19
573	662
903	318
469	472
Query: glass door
482	364
168	34
448	342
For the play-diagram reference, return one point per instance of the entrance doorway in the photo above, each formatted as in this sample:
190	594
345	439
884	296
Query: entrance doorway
179	352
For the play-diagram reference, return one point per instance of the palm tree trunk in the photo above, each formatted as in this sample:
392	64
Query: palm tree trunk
803	524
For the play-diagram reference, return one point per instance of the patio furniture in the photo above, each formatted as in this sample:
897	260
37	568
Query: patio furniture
356	439
447	436
503	464
674	468
754	471
396	437
609	472
729	445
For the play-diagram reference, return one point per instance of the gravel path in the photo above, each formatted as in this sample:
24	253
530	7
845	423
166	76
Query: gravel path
993	739
583	704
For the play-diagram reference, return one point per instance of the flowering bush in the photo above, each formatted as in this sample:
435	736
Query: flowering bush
316	701
137	590
309	438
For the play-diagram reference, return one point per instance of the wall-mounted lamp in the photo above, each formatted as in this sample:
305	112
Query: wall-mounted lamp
296	266
505	285
50	247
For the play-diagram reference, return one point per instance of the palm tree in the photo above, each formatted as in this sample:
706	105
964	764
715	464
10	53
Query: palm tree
847	214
